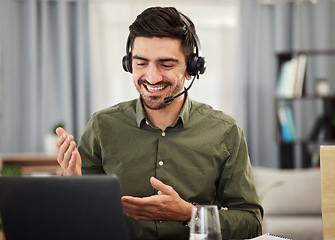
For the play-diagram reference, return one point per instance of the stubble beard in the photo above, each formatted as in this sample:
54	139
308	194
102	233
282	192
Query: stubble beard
151	102
151	106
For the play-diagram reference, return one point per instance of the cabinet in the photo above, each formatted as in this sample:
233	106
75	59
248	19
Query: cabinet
312	113
32	163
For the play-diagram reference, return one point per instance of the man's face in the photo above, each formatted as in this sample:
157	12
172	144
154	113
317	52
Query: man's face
159	69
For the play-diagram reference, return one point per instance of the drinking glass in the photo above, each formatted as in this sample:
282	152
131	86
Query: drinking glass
205	223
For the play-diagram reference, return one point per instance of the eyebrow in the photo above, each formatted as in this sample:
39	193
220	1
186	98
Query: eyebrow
159	60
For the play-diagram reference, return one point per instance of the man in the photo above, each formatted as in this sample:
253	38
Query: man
167	155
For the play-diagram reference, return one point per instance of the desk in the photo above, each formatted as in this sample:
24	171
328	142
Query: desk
2	235
32	163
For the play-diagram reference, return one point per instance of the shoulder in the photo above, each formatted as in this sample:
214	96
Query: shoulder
127	107
215	122
122	113
221	127
210	114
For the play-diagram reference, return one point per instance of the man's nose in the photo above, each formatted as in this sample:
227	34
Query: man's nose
153	74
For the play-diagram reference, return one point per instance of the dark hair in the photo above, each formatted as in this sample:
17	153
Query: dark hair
163	22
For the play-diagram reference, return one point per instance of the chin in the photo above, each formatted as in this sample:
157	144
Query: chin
155	105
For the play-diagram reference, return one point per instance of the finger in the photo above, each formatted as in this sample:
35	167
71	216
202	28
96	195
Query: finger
140	203
74	163
73	159
160	186
60	147
69	151
64	154
59	142
60	131
132	200
130	205
62	136
137	211
138	215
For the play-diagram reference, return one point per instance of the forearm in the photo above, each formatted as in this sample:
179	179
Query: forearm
243	219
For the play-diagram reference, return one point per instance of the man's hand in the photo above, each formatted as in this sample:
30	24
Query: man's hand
68	156
167	206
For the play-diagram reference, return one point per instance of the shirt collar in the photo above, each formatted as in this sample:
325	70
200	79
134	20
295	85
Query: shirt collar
184	114
140	113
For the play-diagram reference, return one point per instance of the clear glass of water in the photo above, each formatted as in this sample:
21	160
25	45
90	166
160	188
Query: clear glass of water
205	223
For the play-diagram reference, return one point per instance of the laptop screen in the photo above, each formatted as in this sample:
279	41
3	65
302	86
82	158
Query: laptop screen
87	207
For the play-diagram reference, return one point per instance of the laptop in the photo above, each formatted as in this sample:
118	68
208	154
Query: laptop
66	208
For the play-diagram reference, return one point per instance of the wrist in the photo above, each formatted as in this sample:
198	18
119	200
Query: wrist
189	214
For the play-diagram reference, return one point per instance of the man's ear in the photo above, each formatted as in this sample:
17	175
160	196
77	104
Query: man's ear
188	76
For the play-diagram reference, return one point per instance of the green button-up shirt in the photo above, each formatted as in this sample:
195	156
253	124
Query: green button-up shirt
203	156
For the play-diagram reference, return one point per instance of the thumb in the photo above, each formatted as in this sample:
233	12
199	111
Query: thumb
160	186
60	131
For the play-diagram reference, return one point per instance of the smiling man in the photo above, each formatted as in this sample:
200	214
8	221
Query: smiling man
169	151
159	72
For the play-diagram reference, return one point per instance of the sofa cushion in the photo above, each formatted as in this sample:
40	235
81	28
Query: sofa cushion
289	191
294	227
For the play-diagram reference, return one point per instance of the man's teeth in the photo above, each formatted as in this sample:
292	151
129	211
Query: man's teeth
154	89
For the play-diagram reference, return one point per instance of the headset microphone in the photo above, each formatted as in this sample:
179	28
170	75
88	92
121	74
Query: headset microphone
169	99
196	63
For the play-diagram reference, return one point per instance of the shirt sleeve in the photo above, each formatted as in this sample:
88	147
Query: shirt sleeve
89	148
241	213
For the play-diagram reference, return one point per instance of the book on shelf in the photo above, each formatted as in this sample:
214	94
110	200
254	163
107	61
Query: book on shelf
285	133
290	123
291	77
286	123
283	78
301	72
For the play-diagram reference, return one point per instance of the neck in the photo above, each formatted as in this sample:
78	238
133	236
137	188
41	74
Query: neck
164	117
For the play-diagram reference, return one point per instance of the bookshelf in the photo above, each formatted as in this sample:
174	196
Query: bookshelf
293	98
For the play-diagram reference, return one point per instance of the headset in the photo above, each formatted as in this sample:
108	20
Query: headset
196	64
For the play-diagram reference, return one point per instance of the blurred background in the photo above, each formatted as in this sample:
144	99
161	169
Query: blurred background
60	61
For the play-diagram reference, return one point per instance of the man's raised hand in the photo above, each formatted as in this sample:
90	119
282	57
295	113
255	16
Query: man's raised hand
68	156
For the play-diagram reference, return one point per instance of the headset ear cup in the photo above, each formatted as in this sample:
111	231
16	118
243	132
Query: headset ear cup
127	63
192	65
196	65
201	65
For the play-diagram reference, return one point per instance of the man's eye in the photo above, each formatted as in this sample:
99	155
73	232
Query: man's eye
167	66
140	64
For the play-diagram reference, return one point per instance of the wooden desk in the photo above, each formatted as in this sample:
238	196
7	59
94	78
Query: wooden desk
327	160
32	163
2	235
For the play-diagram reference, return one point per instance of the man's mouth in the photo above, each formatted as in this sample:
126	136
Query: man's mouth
154	89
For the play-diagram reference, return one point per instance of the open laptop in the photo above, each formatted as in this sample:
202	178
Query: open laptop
62	208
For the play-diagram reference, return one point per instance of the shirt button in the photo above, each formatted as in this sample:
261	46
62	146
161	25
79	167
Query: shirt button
163	134
159	192
160	163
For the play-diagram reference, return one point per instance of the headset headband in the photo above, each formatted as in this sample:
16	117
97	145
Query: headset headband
195	65
194	35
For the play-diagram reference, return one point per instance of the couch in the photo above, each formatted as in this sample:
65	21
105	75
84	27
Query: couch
291	199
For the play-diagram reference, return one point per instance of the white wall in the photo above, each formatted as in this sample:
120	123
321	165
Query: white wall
217	27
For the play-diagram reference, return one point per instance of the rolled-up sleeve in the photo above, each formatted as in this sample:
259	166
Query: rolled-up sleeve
241	215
